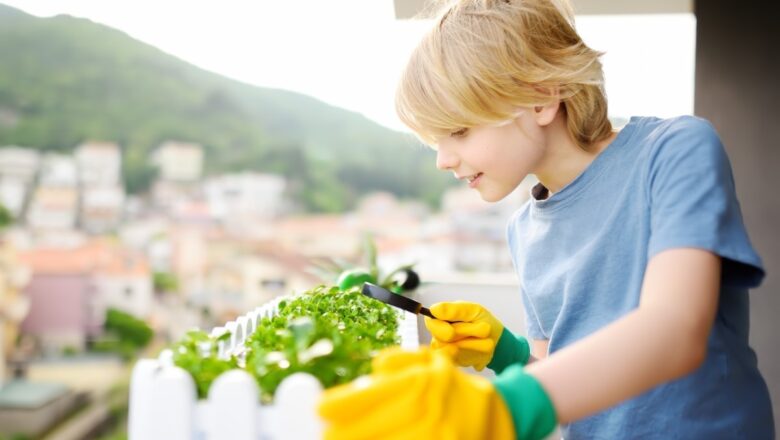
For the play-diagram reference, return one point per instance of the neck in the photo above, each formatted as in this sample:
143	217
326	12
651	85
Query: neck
564	160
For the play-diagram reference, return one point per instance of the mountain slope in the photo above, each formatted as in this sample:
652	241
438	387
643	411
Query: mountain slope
64	80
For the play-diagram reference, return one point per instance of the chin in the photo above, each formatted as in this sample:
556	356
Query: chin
492	197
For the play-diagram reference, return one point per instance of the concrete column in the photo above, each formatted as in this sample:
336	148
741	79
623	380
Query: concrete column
738	90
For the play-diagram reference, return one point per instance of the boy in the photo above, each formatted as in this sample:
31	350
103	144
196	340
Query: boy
633	260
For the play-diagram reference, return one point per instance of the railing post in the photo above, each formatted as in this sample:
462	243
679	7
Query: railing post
296	408
171	404
140	418
232	407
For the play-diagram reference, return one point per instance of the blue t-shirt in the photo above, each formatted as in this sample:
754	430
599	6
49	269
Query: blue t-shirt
581	254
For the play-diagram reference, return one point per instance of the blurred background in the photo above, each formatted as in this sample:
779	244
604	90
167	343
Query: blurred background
170	165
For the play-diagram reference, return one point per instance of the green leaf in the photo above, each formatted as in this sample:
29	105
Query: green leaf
370	255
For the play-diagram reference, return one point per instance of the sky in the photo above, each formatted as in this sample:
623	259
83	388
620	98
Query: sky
349	53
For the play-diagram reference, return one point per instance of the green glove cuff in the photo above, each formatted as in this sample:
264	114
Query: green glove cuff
511	349
532	411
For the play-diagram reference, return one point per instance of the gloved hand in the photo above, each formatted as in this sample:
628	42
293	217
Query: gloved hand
416	395
478	340
421	394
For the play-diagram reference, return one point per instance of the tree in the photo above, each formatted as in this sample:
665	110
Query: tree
125	334
165	282
6	218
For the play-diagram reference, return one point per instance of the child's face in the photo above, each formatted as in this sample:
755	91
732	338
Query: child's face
500	157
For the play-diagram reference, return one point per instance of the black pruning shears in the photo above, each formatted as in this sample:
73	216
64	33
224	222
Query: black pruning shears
381	294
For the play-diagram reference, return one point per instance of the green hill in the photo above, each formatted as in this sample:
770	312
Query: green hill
64	80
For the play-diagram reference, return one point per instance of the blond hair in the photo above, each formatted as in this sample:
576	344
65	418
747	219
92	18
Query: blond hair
485	58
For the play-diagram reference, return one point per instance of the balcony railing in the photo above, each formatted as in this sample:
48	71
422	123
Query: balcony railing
164	403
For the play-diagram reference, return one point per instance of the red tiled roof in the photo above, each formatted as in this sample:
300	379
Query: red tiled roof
97	256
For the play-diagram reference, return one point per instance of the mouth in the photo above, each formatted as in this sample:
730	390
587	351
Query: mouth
474	180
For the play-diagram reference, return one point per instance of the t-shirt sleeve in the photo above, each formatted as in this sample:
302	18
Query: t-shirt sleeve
533	329
693	201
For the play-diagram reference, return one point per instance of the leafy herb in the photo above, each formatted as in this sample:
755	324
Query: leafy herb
327	332
197	353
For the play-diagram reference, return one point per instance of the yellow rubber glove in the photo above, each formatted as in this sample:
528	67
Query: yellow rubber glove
470	342
413	395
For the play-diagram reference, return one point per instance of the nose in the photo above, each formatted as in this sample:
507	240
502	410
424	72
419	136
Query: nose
445	160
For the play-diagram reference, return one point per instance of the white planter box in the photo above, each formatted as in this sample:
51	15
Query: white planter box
164	403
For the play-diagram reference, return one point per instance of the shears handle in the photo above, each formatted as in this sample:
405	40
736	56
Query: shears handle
427	312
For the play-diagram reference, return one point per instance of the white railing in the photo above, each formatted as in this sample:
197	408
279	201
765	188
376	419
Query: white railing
164	404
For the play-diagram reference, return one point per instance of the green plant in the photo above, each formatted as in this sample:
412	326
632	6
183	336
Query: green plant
14	437
326	332
128	328
348	275
6	218
197	353
124	334
165	282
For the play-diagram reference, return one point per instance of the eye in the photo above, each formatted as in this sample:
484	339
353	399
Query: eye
460	133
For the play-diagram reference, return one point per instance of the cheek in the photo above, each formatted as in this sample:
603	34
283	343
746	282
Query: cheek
524	141
522	158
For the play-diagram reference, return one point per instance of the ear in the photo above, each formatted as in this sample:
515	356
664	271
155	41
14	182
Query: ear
545	114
